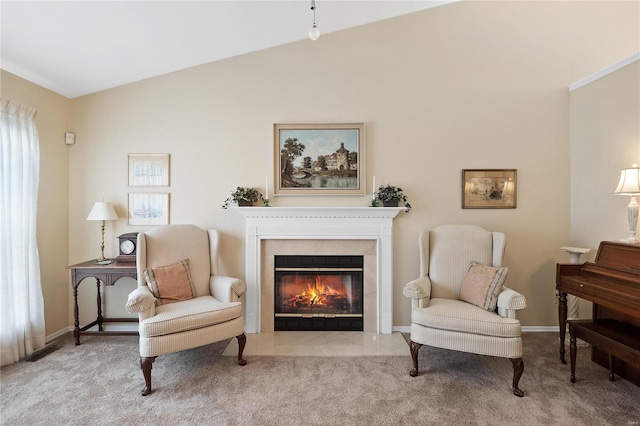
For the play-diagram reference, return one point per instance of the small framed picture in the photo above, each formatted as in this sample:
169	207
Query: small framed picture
319	159
148	169
489	189
148	209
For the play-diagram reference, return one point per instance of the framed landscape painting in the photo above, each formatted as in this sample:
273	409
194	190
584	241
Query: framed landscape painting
489	189
319	159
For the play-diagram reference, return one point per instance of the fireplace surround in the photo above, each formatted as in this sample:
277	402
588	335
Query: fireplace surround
325	225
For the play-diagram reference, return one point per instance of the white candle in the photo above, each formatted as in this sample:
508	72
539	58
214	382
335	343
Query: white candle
266	187
373	189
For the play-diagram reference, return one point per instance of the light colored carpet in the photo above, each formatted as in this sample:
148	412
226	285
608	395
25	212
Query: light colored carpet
99	382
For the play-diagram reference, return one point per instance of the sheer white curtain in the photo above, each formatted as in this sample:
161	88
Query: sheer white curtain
21	302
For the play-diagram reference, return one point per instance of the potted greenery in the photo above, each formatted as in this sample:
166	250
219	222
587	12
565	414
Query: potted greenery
391	196
243	197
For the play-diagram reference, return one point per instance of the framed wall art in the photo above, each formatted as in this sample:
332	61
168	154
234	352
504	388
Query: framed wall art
489	189
148	169
148	209
319	159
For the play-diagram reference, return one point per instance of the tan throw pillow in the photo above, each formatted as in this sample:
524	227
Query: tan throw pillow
482	285
170	283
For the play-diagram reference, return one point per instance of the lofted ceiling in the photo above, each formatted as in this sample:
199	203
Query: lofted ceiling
76	48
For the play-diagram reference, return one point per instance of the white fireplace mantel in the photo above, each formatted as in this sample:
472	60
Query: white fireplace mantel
320	223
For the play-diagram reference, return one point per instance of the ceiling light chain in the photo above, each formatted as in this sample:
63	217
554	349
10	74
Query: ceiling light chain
314	32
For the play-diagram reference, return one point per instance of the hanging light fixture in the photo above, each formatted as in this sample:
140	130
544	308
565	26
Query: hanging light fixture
314	32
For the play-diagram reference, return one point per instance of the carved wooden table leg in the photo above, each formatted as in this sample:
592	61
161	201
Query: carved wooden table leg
242	340
415	347
562	322
99	302
76	321
145	365
572	353
518	368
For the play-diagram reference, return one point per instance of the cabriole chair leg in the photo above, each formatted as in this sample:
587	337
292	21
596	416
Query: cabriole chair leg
242	340
145	365
414	347
518	368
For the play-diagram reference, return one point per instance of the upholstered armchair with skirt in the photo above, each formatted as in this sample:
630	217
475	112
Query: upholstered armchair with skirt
181	301
459	301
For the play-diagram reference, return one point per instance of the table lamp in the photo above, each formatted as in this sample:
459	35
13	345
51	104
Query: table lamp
102	211
630	185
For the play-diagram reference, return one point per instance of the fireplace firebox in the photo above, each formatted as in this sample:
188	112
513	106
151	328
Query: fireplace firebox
321	293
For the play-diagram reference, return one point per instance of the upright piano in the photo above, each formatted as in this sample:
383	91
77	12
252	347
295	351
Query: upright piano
612	283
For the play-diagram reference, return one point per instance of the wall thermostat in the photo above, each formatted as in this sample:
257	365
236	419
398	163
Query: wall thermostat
69	138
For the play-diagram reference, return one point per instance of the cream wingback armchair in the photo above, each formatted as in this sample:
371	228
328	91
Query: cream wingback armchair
459	301
181	301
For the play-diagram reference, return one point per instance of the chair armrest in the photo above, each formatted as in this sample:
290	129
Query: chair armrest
510	301
419	291
141	300
418	288
227	289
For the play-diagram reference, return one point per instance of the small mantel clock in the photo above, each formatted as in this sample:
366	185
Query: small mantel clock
127	244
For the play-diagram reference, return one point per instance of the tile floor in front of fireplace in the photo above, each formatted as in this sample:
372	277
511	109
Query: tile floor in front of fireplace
321	343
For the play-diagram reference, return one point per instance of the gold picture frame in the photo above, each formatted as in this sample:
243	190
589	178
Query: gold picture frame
319	159
148	169
489	188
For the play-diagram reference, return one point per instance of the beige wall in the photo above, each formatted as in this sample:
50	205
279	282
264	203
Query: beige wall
605	137
53	195
467	85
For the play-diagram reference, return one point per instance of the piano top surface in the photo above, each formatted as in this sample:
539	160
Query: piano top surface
619	256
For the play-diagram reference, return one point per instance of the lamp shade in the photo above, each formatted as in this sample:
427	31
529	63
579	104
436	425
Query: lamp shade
629	182
102	211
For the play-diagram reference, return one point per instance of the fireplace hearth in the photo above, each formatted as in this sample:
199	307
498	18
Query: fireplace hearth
323	293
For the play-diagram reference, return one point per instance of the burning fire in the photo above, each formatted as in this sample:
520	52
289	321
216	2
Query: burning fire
318	292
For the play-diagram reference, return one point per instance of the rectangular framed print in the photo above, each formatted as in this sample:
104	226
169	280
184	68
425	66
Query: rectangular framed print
148	169
319	159
148	209
489	189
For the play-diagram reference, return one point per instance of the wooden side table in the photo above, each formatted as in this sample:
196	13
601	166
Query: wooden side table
104	274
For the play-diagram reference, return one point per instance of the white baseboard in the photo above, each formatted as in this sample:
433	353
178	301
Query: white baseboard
526	329
128	327
540	329
58	333
399	329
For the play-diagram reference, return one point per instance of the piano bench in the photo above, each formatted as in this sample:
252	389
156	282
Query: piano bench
617	339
